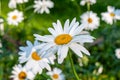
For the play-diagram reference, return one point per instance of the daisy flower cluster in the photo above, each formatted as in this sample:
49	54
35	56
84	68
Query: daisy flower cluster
89	18
41	54
62	40
17	16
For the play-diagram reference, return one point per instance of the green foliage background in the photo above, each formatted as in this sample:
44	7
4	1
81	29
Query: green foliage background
102	50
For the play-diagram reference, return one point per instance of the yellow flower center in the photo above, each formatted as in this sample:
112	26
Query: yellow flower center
63	39
35	56
90	20
14	17
112	14
55	76
22	75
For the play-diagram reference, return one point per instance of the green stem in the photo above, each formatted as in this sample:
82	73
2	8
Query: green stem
72	65
88	6
0	7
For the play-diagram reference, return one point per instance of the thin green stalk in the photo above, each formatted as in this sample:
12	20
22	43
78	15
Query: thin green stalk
0	7
88	6
72	65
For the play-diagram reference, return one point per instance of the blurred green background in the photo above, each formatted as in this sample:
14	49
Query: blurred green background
102	50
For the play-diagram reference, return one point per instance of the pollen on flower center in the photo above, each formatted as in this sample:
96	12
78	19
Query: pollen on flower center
63	39
112	14
14	17
35	56
55	76
90	20
22	75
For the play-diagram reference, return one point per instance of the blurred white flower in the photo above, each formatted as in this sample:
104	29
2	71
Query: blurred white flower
100	70
64	38
42	6
117	53
80	62
35	61
1	26
91	20
15	17
83	2
20	73
1	51
56	74
13	3
111	15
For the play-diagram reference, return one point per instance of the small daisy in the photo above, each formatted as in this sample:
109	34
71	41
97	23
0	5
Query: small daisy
20	73
1	26
35	61
56	74
64	38
13	3
117	53
15	17
42	6
91	20
111	15
83	2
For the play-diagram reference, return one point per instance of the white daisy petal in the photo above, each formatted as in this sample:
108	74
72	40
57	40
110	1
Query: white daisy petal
76	50
66	26
62	54
42	38
52	31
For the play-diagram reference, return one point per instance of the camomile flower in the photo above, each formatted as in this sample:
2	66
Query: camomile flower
15	17
56	74
111	15
64	38
35	61
91	20
117	53
42	6
83	2
13	3
20	73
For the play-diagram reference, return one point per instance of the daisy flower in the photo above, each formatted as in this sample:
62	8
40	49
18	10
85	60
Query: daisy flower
15	17
35	61
83	2
20	73
91	20
42	6
1	26
56	74
13	3
64	38
111	15
117	53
